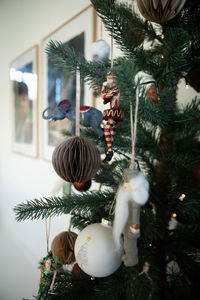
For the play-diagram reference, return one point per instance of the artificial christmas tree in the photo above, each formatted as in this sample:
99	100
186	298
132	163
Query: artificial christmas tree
167	151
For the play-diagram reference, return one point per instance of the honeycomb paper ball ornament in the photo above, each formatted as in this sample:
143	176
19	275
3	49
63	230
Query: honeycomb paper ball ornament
63	247
76	159
160	11
95	250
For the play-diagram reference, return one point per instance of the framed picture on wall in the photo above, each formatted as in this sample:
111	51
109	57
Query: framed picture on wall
24	102
78	33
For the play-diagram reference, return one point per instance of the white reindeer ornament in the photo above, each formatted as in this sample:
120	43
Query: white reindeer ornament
130	197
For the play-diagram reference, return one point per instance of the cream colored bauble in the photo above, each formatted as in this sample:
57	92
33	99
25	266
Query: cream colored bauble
100	51
95	251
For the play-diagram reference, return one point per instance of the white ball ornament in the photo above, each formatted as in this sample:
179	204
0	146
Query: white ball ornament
100	51
95	250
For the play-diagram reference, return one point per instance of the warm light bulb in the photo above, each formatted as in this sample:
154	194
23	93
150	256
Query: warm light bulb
150	47
186	86
174	215
162	36
182	197
150	245
162	56
92	278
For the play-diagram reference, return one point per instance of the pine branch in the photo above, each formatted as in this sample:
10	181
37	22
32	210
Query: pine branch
55	206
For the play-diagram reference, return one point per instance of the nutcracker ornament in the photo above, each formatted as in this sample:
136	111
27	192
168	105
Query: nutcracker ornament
47	276
110	94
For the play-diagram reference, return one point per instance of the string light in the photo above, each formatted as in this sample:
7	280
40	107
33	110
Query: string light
174	215
162	56
92	278
150	245
182	197
162	36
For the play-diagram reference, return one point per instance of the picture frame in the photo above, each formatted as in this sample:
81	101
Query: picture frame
24	102
79	33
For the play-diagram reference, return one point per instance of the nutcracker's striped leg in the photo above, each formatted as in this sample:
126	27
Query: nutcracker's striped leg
109	132
112	130
108	136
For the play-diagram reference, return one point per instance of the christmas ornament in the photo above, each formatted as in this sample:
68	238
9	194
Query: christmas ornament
76	269
151	92
89	116
76	159
193	78
82	186
47	276
100	51
95	250
160	11
131	195
63	247
197	175
112	116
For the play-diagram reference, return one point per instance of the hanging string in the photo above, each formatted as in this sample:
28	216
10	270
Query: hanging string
78	84
70	224
111	210
47	231
134	127
111	49
101	30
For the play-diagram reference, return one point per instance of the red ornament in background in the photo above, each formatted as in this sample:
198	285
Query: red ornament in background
76	269
82	186
197	175
151	92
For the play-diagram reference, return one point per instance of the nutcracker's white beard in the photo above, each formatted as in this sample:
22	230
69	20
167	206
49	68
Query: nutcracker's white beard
136	190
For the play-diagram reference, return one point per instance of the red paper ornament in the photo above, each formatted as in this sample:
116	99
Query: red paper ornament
76	269
82	186
151	92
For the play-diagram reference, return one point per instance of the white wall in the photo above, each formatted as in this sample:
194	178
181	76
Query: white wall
24	23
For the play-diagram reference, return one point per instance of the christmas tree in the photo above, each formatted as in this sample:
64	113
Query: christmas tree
167	152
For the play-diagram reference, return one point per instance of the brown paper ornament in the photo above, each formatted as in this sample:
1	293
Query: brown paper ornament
63	247
160	11
76	159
